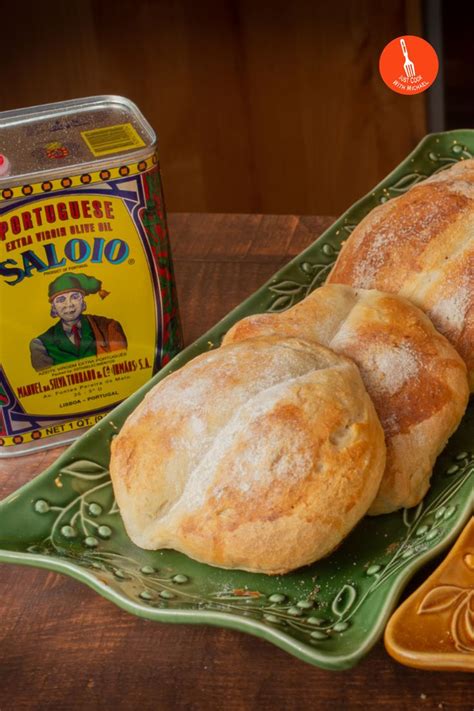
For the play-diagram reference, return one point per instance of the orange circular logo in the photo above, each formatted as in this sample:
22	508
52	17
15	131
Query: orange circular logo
408	65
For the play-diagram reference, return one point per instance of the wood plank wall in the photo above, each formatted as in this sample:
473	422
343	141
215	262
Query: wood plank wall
261	106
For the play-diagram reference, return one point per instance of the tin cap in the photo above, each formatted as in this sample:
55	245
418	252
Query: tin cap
4	165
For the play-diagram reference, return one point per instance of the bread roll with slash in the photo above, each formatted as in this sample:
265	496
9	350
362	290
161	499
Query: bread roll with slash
260	455
416	379
421	245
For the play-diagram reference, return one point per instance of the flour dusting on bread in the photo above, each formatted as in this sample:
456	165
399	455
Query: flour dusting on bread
394	366
450	312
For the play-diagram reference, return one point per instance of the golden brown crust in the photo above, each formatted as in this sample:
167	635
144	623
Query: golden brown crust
414	376
261	455
421	246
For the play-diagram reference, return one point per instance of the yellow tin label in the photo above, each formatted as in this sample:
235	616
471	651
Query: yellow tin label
112	139
81	306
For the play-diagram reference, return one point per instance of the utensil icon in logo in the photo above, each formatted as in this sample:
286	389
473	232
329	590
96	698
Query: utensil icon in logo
409	67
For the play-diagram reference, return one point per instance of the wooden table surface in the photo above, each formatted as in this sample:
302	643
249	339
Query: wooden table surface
63	646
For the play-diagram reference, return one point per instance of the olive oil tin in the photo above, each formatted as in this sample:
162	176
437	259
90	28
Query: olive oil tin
88	307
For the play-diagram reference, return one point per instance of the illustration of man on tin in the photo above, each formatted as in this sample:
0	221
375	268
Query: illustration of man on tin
75	335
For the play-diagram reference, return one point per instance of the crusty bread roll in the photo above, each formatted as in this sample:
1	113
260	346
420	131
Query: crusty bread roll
260	455
416	379
421	245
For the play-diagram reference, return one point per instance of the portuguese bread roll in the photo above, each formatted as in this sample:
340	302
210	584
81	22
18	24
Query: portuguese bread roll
421	245
416	379
260	455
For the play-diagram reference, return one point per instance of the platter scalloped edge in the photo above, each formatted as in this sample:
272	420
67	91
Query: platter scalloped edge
328	614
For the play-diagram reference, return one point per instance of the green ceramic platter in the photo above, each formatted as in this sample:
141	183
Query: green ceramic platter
328	614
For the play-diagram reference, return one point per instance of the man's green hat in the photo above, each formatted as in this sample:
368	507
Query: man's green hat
76	282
